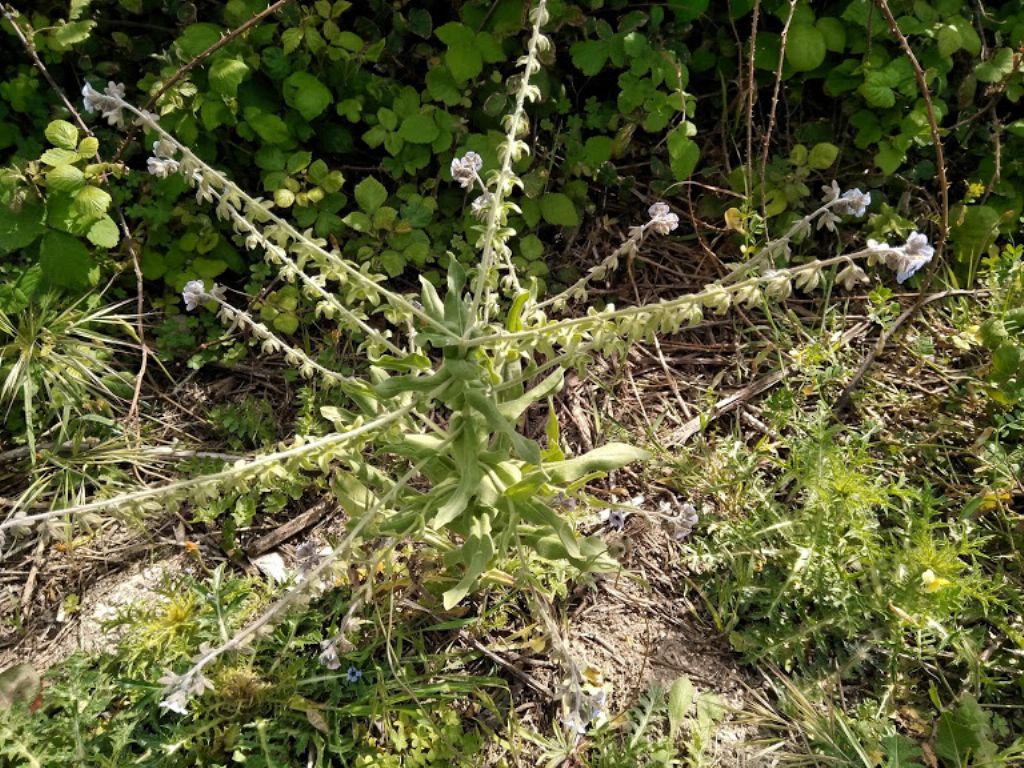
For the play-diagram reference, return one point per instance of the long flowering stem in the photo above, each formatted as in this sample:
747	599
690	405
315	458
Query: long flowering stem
662	308
505	180
274	343
211	175
239	469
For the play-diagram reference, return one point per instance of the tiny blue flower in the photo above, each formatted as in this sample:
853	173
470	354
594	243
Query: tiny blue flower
353	675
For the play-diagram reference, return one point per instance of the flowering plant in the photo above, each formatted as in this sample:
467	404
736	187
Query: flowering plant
453	375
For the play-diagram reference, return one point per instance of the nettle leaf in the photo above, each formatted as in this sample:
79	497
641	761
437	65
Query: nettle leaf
589	56
305	93
55	157
62	134
197	38
226	74
877	90
65	260
270	128
683	153
463	57
104	233
974	228
370	194
64	178
996	68
419	129
91	202
21	226
558	208
805	47
822	156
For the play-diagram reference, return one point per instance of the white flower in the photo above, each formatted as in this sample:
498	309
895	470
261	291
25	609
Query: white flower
853	202
109	103
176	702
329	654
465	169
481	206
849	277
828	220
662	220
831	191
916	252
161	168
194	293
272	566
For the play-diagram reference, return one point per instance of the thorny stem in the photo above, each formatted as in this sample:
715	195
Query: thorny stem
505	176
196	61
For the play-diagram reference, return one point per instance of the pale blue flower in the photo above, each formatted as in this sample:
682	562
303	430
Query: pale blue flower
353	675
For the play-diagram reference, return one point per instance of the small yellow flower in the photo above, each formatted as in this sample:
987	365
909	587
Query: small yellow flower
933	583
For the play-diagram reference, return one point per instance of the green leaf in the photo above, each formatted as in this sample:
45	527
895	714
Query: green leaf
270	128
680	697
834	33
465	452
688	10
889	157
89	146
822	156
442	87
974	228
226	74
286	322
57	157
949	40
104	233
65	260
91	202
290	39
64	178
531	247
683	153
69	34
463	57
900	752
1005	361
62	134
476	553
607	457
805	48
419	129
558	209
962	735
197	38
393	262
370	194
307	94
589	56
995	68
20	227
